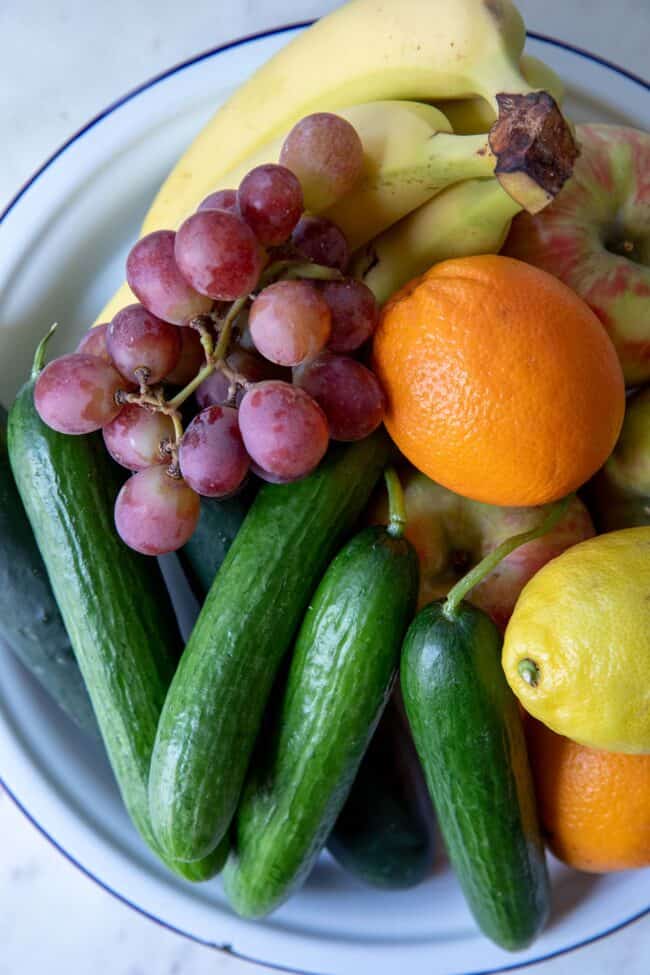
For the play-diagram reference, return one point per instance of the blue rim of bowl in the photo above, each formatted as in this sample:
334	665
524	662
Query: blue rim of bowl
205	55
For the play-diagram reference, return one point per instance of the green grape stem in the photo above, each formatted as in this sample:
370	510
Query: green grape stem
476	575
214	359
291	269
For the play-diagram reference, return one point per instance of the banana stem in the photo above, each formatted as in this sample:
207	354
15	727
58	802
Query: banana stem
450	158
39	355
396	506
490	562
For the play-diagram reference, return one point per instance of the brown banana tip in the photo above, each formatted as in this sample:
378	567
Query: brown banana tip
534	147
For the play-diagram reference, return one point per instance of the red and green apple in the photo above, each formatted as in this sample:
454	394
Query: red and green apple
451	534
595	237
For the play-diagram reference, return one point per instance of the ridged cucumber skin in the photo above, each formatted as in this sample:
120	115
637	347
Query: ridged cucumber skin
385	833
341	674
30	621
216	702
202	556
468	733
113	601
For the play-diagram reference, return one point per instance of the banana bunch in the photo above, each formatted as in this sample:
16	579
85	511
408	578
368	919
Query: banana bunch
437	180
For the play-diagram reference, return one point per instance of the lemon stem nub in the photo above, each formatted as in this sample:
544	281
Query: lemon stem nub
528	671
476	575
396	506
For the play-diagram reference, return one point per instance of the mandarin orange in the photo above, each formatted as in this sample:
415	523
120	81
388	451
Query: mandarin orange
502	384
594	806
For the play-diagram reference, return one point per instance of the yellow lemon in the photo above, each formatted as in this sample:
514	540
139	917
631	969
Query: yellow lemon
577	648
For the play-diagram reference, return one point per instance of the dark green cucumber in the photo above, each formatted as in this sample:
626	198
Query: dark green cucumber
113	601
384	834
217	699
468	733
220	521
30	621
342	670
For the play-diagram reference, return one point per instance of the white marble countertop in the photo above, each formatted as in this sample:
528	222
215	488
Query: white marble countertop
61	61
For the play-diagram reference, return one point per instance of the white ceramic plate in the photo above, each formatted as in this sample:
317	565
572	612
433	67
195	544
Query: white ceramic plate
63	242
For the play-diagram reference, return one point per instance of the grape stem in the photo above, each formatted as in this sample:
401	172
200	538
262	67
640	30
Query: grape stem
292	269
396	506
476	575
215	359
39	355
215	354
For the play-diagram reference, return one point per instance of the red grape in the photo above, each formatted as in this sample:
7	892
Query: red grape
289	322
220	200
138	342
134	437
191	360
94	343
348	393
354	313
284	430
218	254
326	154
212	456
154	278
270	201
267	476
155	512
213	391
76	393
321	241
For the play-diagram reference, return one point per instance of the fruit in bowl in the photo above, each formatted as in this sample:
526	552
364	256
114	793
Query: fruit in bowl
501	384
452	533
596	238
594	805
619	494
223	757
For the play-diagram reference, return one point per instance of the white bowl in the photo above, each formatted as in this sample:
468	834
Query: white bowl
63	242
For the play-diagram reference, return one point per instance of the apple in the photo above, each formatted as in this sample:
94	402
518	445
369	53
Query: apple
595	237
619	495
451	534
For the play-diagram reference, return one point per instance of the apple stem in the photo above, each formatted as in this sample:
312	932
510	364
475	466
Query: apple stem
396	506
476	575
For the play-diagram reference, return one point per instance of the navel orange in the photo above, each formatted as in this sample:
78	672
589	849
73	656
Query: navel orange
502	384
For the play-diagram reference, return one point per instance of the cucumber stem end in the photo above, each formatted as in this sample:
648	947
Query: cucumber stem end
396	505
39	355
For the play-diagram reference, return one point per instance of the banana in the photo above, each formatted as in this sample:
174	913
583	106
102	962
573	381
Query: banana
394	135
410	154
371	50
470	116
366	50
472	217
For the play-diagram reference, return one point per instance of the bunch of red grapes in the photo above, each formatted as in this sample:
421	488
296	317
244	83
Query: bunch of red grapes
247	309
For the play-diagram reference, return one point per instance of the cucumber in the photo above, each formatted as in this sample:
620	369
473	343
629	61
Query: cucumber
468	733
220	521
30	622
384	834
113	601
341	674
215	705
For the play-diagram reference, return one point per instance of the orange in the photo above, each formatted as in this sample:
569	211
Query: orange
502	384
594	806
